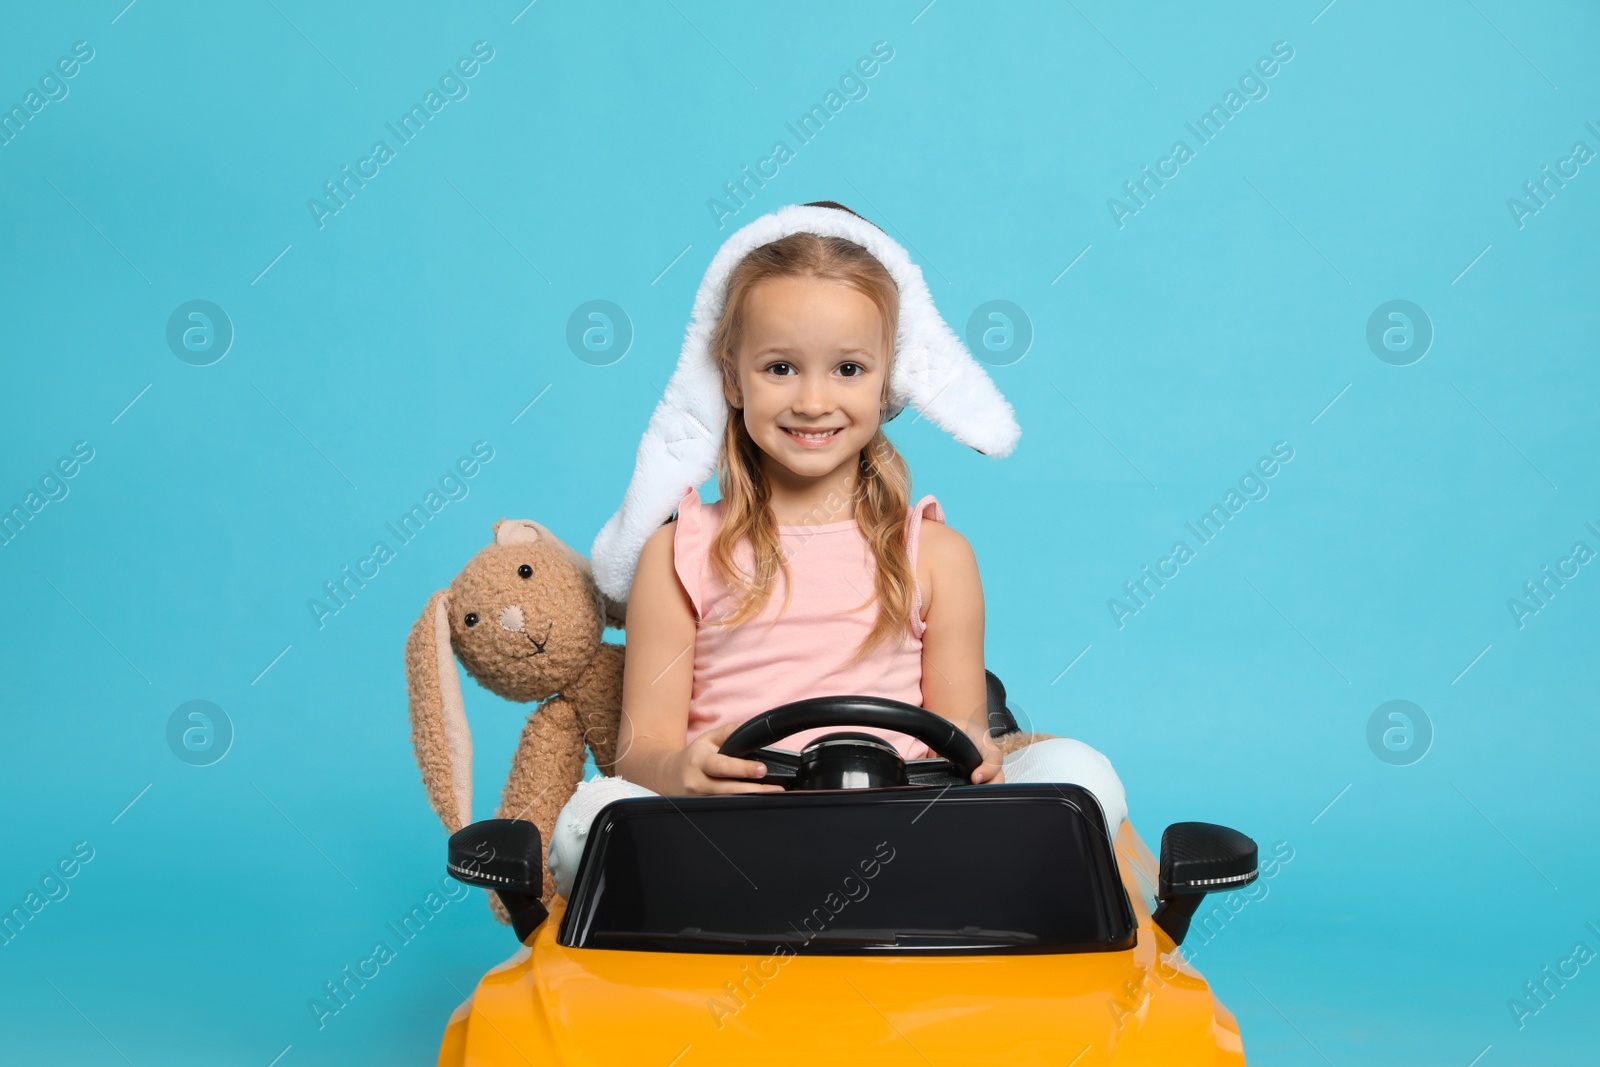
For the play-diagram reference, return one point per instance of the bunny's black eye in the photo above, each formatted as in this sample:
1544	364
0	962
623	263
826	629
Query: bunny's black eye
525	571
471	619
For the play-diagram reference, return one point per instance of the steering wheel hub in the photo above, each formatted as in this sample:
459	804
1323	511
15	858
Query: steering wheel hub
850	760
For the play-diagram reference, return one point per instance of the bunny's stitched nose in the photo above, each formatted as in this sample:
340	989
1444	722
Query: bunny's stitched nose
511	619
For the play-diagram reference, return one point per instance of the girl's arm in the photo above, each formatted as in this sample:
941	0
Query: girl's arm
952	643
657	676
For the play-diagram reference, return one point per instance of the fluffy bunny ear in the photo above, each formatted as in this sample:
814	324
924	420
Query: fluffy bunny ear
439	731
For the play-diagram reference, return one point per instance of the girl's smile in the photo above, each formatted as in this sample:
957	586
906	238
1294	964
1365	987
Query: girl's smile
812	438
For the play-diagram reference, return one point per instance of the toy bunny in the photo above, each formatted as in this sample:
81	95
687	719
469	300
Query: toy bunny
526	620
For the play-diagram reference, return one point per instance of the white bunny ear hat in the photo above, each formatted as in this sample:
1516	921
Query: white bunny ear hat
931	370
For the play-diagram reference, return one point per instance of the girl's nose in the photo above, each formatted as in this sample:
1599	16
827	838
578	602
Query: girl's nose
814	399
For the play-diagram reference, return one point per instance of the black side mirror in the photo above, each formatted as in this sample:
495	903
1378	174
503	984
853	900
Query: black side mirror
1199	858
507	856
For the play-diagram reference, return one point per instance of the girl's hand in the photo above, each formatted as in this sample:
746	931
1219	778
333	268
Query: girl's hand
991	771
700	769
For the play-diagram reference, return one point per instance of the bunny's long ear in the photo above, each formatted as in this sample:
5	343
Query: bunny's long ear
439	731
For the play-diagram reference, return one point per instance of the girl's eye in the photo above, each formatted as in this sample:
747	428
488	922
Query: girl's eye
773	368
860	370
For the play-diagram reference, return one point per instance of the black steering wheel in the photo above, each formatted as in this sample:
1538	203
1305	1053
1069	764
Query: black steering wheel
849	759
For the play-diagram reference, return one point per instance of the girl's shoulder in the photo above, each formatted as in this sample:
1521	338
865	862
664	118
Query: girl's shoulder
943	546
942	557
940	543
672	557
938	532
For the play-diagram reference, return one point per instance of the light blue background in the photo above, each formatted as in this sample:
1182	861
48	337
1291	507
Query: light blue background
1223	317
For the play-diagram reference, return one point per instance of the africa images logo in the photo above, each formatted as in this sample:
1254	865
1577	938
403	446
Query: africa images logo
1252	486
1206	128
452	87
809	126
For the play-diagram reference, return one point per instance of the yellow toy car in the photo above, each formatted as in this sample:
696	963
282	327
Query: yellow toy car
876	911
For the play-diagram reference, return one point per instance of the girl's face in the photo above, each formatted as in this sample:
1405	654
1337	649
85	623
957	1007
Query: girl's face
812	361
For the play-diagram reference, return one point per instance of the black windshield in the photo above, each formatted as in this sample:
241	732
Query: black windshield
992	870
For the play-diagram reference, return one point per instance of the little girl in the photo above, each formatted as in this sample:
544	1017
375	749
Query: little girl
811	576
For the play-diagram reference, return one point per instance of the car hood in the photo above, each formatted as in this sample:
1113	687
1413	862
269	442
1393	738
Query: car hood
550	1004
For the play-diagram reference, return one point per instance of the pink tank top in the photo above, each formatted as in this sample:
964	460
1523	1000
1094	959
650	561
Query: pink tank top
772	659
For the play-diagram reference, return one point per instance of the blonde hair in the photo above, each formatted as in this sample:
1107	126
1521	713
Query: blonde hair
883	488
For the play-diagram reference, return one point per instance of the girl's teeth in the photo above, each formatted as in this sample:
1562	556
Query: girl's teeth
814	436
